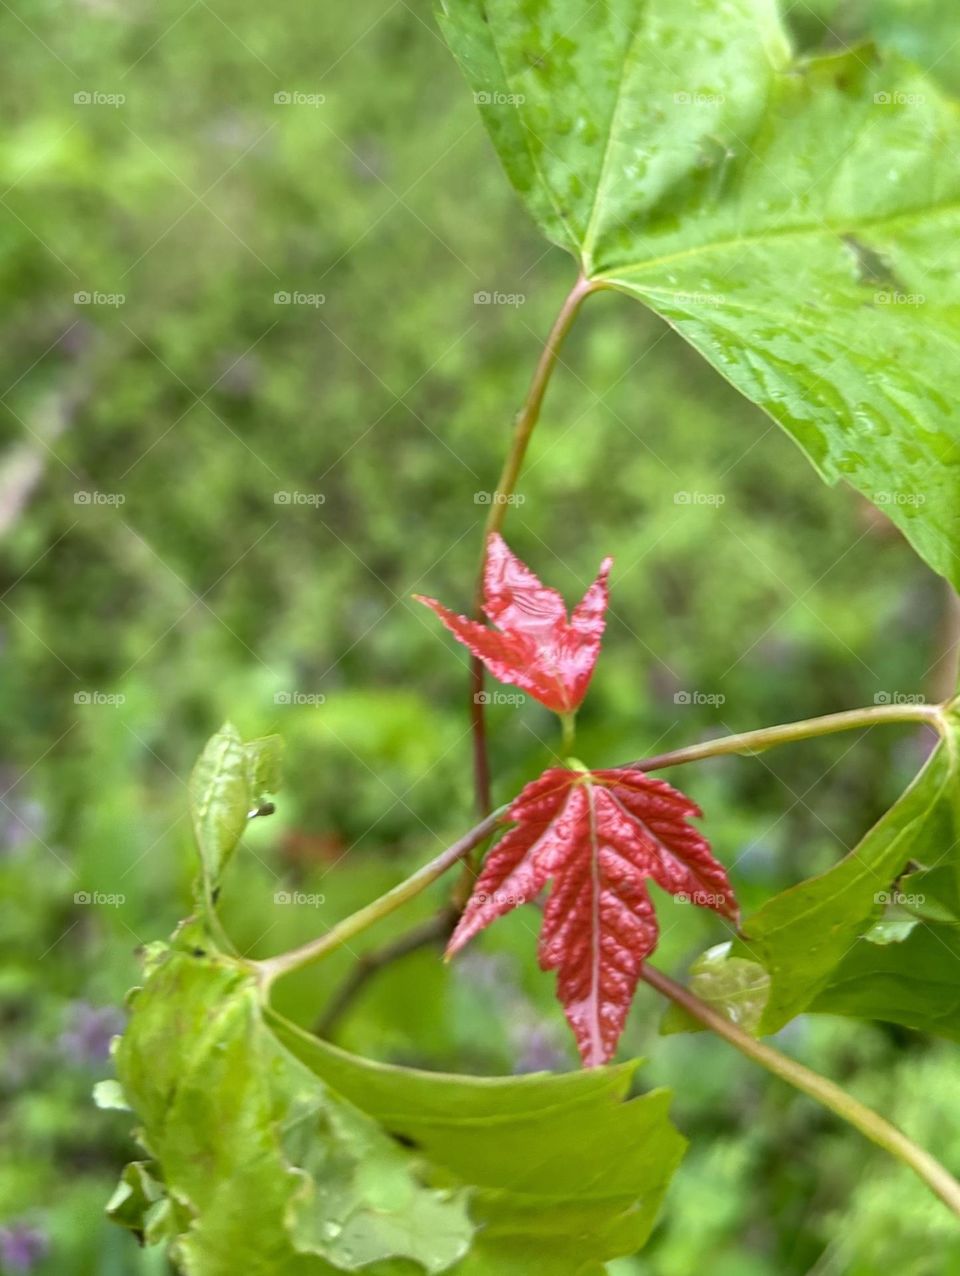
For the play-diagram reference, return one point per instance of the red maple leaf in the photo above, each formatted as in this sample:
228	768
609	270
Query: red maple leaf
534	645
598	835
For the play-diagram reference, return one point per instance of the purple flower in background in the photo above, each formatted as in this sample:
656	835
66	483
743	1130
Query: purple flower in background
89	1029
22	1247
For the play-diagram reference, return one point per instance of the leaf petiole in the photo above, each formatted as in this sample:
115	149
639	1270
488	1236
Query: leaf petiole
832	1096
750	742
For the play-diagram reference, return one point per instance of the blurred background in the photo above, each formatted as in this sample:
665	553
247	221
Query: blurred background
252	399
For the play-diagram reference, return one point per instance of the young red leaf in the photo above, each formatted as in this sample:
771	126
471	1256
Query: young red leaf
598	835
534	645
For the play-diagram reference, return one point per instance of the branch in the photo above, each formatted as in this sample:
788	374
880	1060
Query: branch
750	742
526	420
832	1096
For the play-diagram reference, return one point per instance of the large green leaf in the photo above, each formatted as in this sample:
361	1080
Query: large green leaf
915	982
269	1143
262	1158
817	932
565	1173
796	224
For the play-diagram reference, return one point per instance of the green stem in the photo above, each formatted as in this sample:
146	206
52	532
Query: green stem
526	420
568	721
272	968
749	742
832	1096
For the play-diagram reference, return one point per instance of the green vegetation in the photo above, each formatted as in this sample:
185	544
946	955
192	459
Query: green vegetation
217	504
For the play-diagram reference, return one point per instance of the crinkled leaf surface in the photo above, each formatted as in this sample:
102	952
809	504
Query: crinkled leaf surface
272	1144
598	836
263	1158
566	1171
797	224
816	932
269	1144
534	645
230	778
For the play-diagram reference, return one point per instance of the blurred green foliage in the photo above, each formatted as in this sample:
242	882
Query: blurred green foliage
201	399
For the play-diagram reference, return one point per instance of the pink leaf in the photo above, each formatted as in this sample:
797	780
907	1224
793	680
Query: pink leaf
597	836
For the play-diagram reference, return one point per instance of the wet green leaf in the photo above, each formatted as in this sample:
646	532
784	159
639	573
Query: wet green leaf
265	1158
306	1159
792	222
734	986
808	934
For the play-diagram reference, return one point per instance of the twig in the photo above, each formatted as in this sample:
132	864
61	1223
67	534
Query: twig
857	1114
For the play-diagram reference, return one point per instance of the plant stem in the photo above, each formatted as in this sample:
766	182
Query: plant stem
789	732
272	968
832	1096
524	425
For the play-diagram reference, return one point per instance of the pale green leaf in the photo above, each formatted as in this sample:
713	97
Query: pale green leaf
733	986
